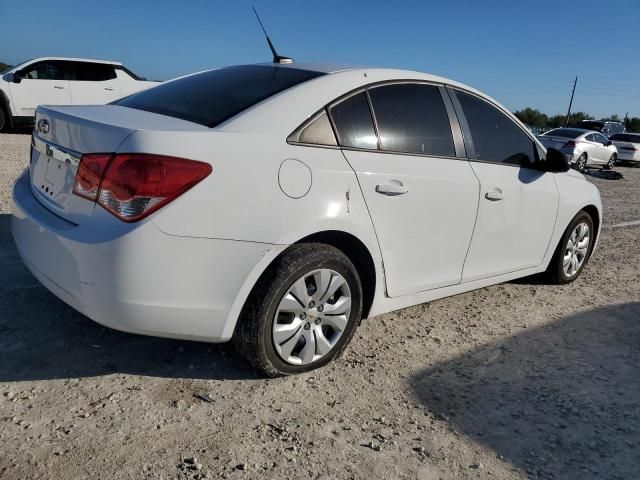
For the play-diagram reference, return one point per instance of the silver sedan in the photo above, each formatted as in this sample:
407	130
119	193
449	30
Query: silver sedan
582	148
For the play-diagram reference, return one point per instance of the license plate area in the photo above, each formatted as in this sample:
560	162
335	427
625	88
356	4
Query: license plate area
53	170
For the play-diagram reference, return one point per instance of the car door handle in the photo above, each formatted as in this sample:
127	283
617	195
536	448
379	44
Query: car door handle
58	87
391	189
494	195
108	88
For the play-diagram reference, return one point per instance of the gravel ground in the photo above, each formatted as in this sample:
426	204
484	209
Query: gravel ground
520	380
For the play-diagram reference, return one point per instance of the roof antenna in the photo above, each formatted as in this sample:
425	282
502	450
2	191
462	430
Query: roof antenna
276	58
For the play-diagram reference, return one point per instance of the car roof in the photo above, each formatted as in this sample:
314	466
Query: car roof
73	59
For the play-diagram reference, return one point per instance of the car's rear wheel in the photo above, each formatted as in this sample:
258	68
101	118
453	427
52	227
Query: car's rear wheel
573	251
303	311
611	162
581	164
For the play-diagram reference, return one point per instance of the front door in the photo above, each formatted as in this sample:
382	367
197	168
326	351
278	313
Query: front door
518	204
422	197
43	83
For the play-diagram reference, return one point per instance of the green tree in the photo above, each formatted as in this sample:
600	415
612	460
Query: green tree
632	124
4	66
532	117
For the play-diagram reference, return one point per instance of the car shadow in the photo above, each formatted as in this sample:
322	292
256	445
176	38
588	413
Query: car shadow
559	401
42	338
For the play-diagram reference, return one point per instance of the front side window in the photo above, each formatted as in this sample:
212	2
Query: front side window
412	118
600	138
45	70
209	98
353	122
93	72
496	137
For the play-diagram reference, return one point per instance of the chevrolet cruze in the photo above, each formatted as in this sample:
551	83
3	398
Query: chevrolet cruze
280	204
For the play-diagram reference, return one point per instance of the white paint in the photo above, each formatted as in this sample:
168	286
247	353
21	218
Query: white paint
187	270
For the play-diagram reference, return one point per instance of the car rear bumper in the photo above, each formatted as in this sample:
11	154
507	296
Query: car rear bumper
140	279
628	157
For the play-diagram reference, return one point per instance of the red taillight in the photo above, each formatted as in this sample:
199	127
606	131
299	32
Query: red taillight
569	144
89	174
131	186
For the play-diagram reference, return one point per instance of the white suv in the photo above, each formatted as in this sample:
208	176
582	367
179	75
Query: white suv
62	81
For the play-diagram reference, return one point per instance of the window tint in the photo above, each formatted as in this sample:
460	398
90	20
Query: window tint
626	137
210	98
93	72
600	138
496	137
564	132
46	70
412	119
354	124
318	132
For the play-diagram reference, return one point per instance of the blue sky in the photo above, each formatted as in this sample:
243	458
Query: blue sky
523	53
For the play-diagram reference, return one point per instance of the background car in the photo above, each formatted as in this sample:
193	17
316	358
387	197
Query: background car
605	127
628	145
62	81
581	147
259	203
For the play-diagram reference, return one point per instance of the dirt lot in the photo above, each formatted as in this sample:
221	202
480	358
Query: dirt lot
521	380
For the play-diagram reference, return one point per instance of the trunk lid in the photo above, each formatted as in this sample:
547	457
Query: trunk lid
554	142
63	134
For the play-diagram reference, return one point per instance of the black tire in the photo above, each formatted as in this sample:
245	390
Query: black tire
4	120
581	163
253	333
555	272
611	162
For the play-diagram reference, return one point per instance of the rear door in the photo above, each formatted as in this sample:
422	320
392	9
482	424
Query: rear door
518	204
94	84
420	190
44	83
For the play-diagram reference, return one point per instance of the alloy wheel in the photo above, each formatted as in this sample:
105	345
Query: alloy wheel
582	162
311	317
575	252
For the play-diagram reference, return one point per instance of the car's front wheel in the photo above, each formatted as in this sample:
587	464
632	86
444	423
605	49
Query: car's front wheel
4	121
302	312
573	251
611	162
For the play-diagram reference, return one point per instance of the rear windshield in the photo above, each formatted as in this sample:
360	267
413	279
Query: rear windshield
625	137
210	98
564	132
597	126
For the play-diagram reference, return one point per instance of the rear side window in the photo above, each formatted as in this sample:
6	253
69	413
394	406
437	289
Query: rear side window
46	70
353	122
412	119
625	137
316	132
496	137
210	98
93	72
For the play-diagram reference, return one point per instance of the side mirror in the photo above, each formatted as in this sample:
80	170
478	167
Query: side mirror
608	142
555	161
18	76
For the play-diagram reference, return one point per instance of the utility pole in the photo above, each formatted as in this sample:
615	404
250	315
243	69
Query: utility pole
566	121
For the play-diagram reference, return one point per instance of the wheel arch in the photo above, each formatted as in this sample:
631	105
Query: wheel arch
359	255
594	213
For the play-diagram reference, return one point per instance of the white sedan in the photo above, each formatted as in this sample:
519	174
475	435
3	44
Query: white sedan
628	145
582	148
279	205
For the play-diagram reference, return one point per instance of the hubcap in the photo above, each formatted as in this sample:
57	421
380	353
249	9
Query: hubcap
311	317
576	250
